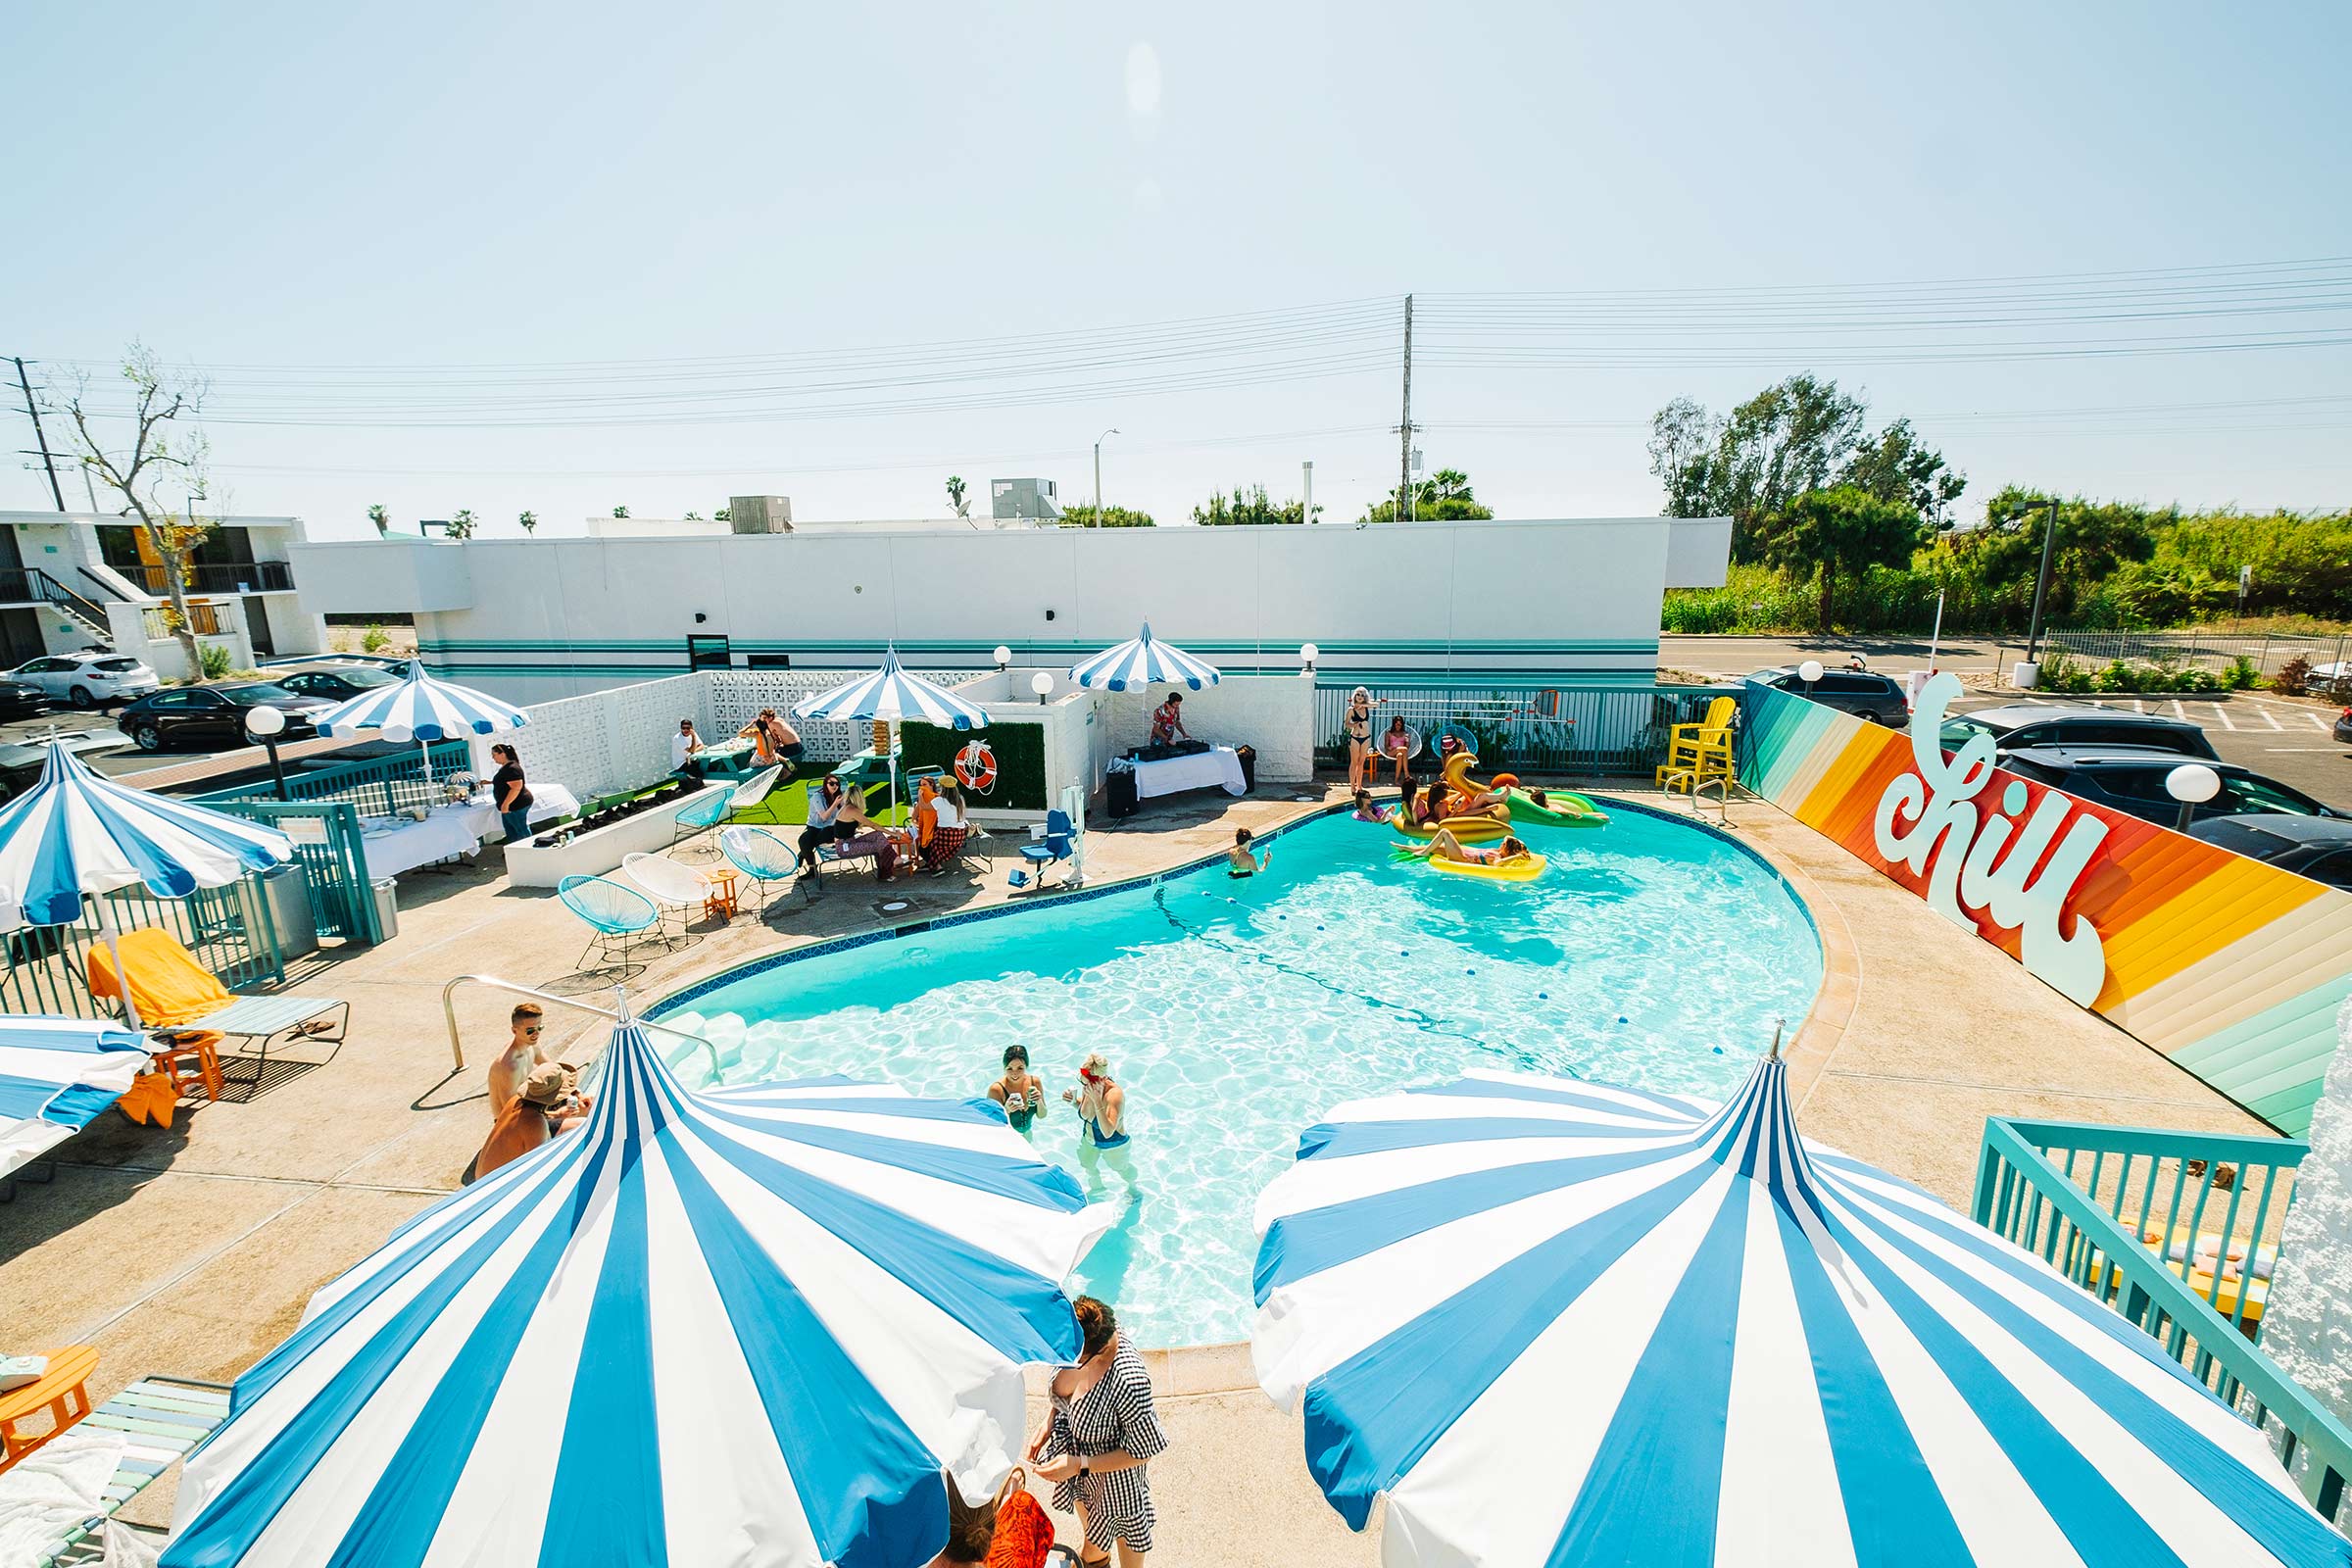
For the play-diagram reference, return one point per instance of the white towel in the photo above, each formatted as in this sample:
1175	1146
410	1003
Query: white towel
54	1488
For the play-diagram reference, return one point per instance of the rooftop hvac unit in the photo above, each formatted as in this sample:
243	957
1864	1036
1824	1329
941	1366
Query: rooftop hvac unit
1022	498
759	514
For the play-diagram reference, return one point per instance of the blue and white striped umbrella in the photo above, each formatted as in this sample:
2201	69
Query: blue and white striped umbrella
430	710
55	1075
1554	1322
891	692
1145	662
76	832
751	1326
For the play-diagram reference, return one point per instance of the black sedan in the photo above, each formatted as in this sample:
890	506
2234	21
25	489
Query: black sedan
2317	847
2131	780
21	699
333	683
213	715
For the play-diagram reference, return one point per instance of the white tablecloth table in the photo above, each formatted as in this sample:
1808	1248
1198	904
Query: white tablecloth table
396	844
1220	765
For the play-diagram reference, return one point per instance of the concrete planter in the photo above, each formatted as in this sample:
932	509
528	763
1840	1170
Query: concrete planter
596	852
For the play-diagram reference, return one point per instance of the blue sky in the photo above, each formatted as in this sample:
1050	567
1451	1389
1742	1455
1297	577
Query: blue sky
381	193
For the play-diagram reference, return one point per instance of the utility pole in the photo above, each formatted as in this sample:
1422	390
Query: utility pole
1404	431
2042	584
41	440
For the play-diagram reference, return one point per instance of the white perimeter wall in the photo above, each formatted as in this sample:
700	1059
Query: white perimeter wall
539	618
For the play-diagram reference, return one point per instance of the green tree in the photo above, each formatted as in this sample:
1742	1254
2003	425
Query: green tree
461	524
1785	440
1442	497
1894	466
2094	539
1083	517
529	521
620	512
956	496
1246	507
1839	530
381	518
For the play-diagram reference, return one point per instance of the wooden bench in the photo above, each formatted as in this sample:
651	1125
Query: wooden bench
61	1391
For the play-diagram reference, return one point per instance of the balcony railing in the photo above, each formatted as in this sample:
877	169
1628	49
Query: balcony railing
240	577
31	584
2121	1210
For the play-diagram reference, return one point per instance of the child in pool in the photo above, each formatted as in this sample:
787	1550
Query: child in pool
1365	811
1240	860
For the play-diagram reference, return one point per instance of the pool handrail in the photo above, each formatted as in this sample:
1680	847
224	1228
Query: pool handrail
457	1048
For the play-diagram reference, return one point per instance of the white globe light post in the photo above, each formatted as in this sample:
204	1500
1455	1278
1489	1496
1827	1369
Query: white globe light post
266	724
2193	784
1309	653
1810	671
1042	683
1003	657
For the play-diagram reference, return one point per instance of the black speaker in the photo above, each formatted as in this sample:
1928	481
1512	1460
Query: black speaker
1118	788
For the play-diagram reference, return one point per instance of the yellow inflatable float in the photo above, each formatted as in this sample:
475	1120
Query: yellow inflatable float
1474	827
1519	868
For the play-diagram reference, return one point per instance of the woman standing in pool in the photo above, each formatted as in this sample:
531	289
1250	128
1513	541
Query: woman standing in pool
1100	1437
1102	1105
1020	1092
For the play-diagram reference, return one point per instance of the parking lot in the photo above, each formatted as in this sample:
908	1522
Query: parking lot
2283	738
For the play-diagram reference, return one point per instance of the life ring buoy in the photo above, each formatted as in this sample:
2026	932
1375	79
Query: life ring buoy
976	766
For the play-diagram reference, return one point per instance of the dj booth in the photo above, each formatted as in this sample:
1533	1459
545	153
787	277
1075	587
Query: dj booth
1155	770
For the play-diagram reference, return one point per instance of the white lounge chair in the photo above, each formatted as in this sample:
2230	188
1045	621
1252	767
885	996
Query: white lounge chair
675	889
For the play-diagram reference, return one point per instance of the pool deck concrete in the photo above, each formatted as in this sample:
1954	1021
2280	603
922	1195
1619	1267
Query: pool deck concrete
191	1251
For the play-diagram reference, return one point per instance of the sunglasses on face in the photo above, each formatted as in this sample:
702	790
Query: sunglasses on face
531	1028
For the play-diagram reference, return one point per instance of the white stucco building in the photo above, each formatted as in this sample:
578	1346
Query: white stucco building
71	580
1572	601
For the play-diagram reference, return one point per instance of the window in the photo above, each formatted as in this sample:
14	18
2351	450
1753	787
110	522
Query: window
115	667
46	666
1958	732
2261	795
2133	783
2335	869
169	701
204	700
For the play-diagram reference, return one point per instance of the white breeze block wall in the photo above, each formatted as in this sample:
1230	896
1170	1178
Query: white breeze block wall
738	695
606	742
1276	714
2307	1323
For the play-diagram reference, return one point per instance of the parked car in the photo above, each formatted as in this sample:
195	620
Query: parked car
1881	699
20	699
2317	847
2016	727
88	679
2132	779
331	683
2343	728
213	715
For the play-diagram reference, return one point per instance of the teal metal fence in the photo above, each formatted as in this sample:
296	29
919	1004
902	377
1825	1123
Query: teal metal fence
228	930
380	786
327	841
1531	729
2120	1210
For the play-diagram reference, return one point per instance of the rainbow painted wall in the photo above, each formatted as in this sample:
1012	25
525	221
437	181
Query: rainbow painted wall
2230	968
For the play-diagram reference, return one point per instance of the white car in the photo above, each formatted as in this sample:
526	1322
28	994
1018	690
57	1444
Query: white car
88	680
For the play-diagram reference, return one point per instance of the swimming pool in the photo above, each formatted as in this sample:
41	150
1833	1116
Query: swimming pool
1235	1012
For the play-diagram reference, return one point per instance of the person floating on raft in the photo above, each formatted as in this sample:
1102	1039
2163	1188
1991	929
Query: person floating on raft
1511	861
1471	811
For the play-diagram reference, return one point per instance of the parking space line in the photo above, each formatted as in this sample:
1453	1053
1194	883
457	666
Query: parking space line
2319	723
2274	718
2222	713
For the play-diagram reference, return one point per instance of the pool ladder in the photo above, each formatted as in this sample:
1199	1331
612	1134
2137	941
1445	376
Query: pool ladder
1691	784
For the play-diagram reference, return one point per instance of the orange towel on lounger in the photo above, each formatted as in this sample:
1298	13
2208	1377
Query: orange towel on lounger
167	983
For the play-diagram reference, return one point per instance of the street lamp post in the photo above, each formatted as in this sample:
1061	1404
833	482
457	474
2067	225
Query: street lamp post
2041	582
1099	440
266	724
2193	784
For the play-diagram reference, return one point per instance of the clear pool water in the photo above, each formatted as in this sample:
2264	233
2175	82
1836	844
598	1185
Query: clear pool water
1236	1011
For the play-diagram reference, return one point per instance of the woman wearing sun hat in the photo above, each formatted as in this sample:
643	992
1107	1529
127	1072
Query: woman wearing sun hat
1102	1105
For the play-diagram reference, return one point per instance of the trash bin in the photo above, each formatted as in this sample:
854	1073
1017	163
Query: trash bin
1249	757
1118	790
387	909
283	893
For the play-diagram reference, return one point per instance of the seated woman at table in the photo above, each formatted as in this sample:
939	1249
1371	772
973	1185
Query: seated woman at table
509	794
831	816
683	746
948	828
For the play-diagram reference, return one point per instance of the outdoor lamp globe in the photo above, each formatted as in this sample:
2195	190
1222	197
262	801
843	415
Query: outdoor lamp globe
2192	783
1042	683
1001	655
1309	653
1810	671
263	722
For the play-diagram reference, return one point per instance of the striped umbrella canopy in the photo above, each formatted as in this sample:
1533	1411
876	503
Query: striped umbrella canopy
55	1075
749	1325
1553	1322
890	693
430	710
76	832
1143	661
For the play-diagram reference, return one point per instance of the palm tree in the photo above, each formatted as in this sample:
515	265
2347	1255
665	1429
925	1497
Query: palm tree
460	525
964	508
529	521
381	518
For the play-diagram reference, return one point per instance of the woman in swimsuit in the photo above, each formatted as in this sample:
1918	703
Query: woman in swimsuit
1360	736
1020	1092
1398	743
1444	846
1102	1105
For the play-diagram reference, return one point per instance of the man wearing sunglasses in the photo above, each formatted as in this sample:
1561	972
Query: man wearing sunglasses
523	1052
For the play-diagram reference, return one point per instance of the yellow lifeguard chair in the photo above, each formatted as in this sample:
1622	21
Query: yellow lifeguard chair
1702	750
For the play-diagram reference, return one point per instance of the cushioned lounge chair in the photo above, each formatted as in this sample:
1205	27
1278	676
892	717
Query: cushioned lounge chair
173	991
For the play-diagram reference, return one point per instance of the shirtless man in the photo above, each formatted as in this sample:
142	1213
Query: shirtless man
523	1052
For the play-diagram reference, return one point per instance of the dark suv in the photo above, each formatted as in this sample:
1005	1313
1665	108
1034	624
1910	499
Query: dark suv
1877	698
2127	779
2016	727
213	716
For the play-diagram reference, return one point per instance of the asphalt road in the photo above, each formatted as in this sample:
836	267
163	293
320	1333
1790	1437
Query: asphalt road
1737	655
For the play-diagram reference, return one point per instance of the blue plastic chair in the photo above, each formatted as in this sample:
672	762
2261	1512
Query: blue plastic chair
616	913
1061	836
760	856
701	817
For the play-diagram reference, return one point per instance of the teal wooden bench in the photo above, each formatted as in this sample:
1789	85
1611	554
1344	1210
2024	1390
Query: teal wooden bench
161	1420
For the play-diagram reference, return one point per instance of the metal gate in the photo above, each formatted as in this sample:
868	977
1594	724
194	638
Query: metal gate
334	861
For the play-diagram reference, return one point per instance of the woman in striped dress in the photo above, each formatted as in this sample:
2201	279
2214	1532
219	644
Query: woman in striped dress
1099	1438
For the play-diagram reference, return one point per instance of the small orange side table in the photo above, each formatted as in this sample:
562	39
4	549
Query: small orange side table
60	1390
722	902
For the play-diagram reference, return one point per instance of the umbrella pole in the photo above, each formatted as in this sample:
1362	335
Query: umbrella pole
425	749
106	928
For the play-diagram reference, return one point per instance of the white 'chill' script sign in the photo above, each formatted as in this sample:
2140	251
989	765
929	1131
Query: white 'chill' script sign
1977	864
